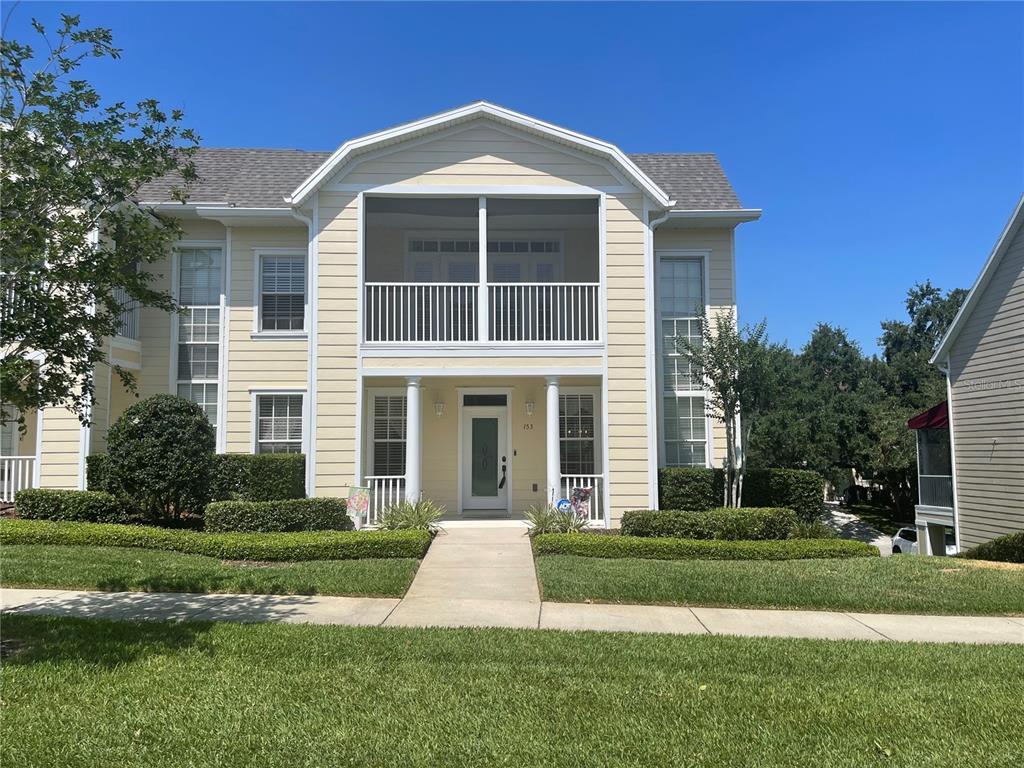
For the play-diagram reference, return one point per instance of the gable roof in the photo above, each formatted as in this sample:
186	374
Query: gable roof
1002	246
280	178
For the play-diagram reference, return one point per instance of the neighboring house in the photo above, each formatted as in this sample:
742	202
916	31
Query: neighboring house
478	308
971	447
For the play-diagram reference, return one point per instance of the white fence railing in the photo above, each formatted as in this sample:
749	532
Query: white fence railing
449	312
128	322
385	490
596	485
544	312
441	312
935	491
16	473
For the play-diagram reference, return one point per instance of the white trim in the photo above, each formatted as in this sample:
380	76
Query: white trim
132	345
223	339
600	467
507	391
279	336
364	443
37	469
131	365
726	215
461	114
539	191
257	293
653	332
483	371
312	268
483	294
474	349
602	255
257	392
1002	246
952	459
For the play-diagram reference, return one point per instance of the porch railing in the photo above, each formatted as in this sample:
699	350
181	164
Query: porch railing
450	312
544	312
385	490
440	312
593	482
16	473
935	491
128	321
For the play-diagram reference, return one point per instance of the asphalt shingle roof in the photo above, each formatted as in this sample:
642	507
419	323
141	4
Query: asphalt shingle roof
261	178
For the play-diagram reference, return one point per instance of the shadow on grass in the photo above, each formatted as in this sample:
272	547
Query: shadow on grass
206	584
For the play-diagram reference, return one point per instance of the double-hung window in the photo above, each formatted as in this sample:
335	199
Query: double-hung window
388	436
279	423
282	292
198	339
680	308
576	432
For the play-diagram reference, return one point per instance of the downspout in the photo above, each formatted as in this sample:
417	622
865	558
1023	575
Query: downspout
654	429
309	410
952	452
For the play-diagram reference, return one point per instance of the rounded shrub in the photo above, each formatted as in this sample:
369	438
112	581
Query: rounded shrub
80	506
321	514
161	455
750	523
1005	549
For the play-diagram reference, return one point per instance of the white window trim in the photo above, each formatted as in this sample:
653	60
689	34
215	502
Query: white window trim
703	255
223	303
258	334
598	424
368	420
461	392
255	394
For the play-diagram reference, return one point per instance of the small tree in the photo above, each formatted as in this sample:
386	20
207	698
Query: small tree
161	454
70	232
736	366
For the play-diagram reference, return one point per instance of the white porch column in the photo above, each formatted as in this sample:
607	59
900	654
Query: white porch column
554	462
413	452
483	296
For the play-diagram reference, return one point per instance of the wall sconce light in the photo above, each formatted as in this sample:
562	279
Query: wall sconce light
529	407
439	409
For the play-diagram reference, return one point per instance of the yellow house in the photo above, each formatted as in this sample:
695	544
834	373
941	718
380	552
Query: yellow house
479	308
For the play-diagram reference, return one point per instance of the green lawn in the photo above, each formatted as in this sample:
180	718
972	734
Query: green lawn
90	693
901	584
150	570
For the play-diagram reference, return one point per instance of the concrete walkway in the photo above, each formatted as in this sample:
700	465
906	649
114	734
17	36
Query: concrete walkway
484	577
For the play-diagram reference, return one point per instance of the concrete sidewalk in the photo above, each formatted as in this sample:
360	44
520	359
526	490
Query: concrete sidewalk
429	610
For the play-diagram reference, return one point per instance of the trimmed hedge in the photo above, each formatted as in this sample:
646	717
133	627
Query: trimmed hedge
283	547
586	545
80	506
235	476
1005	549
321	514
748	523
700	489
259	477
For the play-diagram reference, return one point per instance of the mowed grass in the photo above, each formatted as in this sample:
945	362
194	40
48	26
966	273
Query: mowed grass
113	569
901	584
89	693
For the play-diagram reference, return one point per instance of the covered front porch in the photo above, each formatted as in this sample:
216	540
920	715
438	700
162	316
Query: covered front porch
484	447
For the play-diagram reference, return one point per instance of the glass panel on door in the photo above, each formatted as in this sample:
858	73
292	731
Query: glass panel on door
485	457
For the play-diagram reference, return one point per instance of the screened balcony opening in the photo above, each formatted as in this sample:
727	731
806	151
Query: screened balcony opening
422	270
935	468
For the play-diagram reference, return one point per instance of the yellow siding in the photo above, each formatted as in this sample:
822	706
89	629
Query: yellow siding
336	344
256	363
627	367
60	449
100	412
480	155
488	359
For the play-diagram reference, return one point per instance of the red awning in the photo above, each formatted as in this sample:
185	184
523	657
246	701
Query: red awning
936	417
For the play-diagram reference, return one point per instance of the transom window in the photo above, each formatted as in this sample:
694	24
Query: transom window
282	292
389	413
577	441
279	424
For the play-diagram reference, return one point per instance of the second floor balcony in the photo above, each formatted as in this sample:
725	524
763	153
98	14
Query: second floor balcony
424	260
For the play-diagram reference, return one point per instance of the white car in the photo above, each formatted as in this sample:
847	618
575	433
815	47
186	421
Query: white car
905	542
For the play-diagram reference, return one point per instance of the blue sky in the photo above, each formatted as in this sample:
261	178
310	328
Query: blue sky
885	142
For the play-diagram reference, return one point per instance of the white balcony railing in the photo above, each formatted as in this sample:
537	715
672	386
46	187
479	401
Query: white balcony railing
596	485
16	473
128	322
450	312
935	491
544	312
385	491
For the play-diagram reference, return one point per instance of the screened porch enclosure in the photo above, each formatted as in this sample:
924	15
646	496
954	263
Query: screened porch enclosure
536	278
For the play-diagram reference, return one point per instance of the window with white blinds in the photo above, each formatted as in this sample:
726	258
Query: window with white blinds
282	293
577	438
198	336
279	424
388	435
680	308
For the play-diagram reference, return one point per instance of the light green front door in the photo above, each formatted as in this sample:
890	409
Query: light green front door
484	458
485	465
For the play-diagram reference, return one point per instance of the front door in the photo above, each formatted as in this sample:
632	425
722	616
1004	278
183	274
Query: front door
485	465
